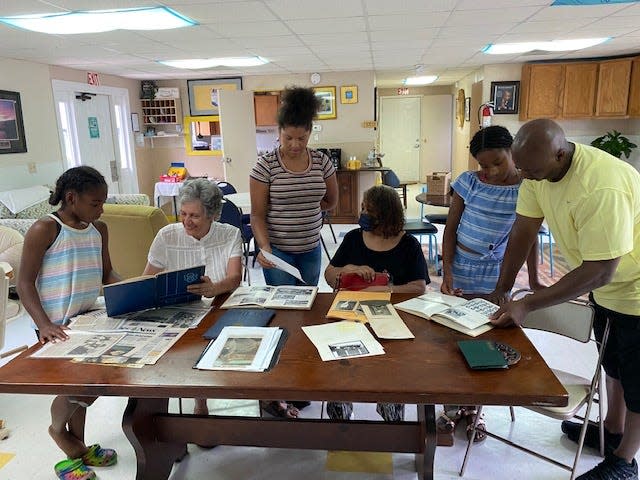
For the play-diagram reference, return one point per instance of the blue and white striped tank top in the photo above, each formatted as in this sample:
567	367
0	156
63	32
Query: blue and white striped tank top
71	273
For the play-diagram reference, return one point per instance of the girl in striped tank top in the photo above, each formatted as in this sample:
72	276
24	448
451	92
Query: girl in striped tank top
61	277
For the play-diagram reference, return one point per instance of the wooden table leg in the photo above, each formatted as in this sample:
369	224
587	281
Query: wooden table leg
424	461
154	459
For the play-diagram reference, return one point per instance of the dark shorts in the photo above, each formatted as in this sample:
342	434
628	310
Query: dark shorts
622	354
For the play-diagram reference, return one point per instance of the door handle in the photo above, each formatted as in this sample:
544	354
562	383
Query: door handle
227	159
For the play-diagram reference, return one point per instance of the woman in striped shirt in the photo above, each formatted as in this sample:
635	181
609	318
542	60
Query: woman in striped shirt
290	188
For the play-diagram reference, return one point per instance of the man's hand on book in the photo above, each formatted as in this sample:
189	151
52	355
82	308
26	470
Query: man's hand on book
511	313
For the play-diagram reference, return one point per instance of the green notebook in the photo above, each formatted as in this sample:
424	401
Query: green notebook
482	354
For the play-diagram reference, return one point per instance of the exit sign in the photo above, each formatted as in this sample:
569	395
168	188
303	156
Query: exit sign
403	91
93	78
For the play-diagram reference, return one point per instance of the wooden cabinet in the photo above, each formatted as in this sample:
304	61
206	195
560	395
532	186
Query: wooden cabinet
266	107
634	91
208	128
348	208
594	89
580	83
161	112
613	88
542	86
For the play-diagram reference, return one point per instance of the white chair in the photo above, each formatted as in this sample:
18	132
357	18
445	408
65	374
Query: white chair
573	320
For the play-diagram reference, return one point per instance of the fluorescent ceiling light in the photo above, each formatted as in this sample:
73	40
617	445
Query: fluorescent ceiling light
553	46
423	80
95	21
196	63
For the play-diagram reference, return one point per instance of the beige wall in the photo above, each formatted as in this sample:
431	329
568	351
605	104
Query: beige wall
33	83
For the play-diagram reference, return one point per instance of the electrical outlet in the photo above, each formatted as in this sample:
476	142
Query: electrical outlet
32	167
316	136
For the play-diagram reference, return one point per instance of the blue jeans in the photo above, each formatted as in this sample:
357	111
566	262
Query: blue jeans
307	262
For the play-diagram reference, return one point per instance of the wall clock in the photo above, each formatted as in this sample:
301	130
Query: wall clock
315	78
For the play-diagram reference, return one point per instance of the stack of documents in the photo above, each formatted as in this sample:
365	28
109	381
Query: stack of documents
247	349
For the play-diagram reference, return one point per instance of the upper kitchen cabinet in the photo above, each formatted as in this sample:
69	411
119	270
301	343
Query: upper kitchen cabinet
613	88
634	91
266	107
541	86
580	82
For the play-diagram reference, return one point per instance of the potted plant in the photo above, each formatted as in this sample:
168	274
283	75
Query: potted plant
614	143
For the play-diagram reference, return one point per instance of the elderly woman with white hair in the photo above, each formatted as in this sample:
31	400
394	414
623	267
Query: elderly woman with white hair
200	240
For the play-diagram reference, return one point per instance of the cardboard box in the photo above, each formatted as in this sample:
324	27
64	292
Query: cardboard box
438	183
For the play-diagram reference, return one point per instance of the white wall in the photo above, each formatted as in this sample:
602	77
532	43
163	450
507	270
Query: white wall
33	82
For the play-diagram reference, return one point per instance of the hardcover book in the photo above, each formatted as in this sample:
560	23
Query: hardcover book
470	317
248	317
152	291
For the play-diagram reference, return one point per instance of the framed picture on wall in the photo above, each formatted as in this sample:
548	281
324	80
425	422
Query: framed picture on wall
349	94
12	139
504	96
203	94
327	97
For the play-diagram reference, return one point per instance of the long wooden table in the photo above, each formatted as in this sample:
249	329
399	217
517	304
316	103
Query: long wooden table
425	371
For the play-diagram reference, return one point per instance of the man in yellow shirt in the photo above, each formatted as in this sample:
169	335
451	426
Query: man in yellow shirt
591	202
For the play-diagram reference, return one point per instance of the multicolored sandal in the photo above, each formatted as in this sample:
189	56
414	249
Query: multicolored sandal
73	469
100	457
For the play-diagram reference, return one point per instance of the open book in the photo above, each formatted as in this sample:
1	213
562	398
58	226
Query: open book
284	296
470	317
347	304
152	291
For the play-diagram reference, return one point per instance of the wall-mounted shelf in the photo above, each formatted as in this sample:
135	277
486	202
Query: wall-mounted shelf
161	112
154	137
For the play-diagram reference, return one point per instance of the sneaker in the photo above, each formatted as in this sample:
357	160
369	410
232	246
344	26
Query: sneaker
612	468
592	437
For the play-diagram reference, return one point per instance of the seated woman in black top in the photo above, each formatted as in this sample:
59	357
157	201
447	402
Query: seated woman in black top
380	245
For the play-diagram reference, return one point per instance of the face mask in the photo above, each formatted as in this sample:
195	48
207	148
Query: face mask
366	222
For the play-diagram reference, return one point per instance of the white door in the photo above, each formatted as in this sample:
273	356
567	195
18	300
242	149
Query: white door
437	119
400	136
238	130
95	137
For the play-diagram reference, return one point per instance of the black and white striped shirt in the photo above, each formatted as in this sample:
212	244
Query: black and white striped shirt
294	218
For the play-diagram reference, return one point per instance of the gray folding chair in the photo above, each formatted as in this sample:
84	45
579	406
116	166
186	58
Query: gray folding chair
573	320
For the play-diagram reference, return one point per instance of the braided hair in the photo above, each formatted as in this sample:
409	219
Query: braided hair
79	180
298	108
494	136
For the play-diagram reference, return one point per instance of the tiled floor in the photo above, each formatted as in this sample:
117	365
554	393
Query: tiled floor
31	454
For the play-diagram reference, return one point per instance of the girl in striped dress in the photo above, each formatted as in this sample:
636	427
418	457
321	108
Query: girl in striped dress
482	211
68	262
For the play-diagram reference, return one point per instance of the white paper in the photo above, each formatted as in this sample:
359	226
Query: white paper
345	339
284	266
79	344
385	321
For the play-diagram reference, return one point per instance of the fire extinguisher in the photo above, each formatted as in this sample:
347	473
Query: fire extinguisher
487	112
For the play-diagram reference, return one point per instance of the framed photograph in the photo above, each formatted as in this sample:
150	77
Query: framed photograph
327	97
12	139
203	94
349	94
467	109
504	96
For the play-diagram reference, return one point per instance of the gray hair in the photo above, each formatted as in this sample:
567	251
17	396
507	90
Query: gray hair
201	189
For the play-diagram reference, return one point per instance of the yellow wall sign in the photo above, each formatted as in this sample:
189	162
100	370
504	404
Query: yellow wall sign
203	94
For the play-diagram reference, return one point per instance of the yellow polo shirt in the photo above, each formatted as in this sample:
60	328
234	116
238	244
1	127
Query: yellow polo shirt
594	214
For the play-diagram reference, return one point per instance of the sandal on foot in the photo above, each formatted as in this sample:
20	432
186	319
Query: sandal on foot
279	409
447	421
73	469
470	417
100	457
